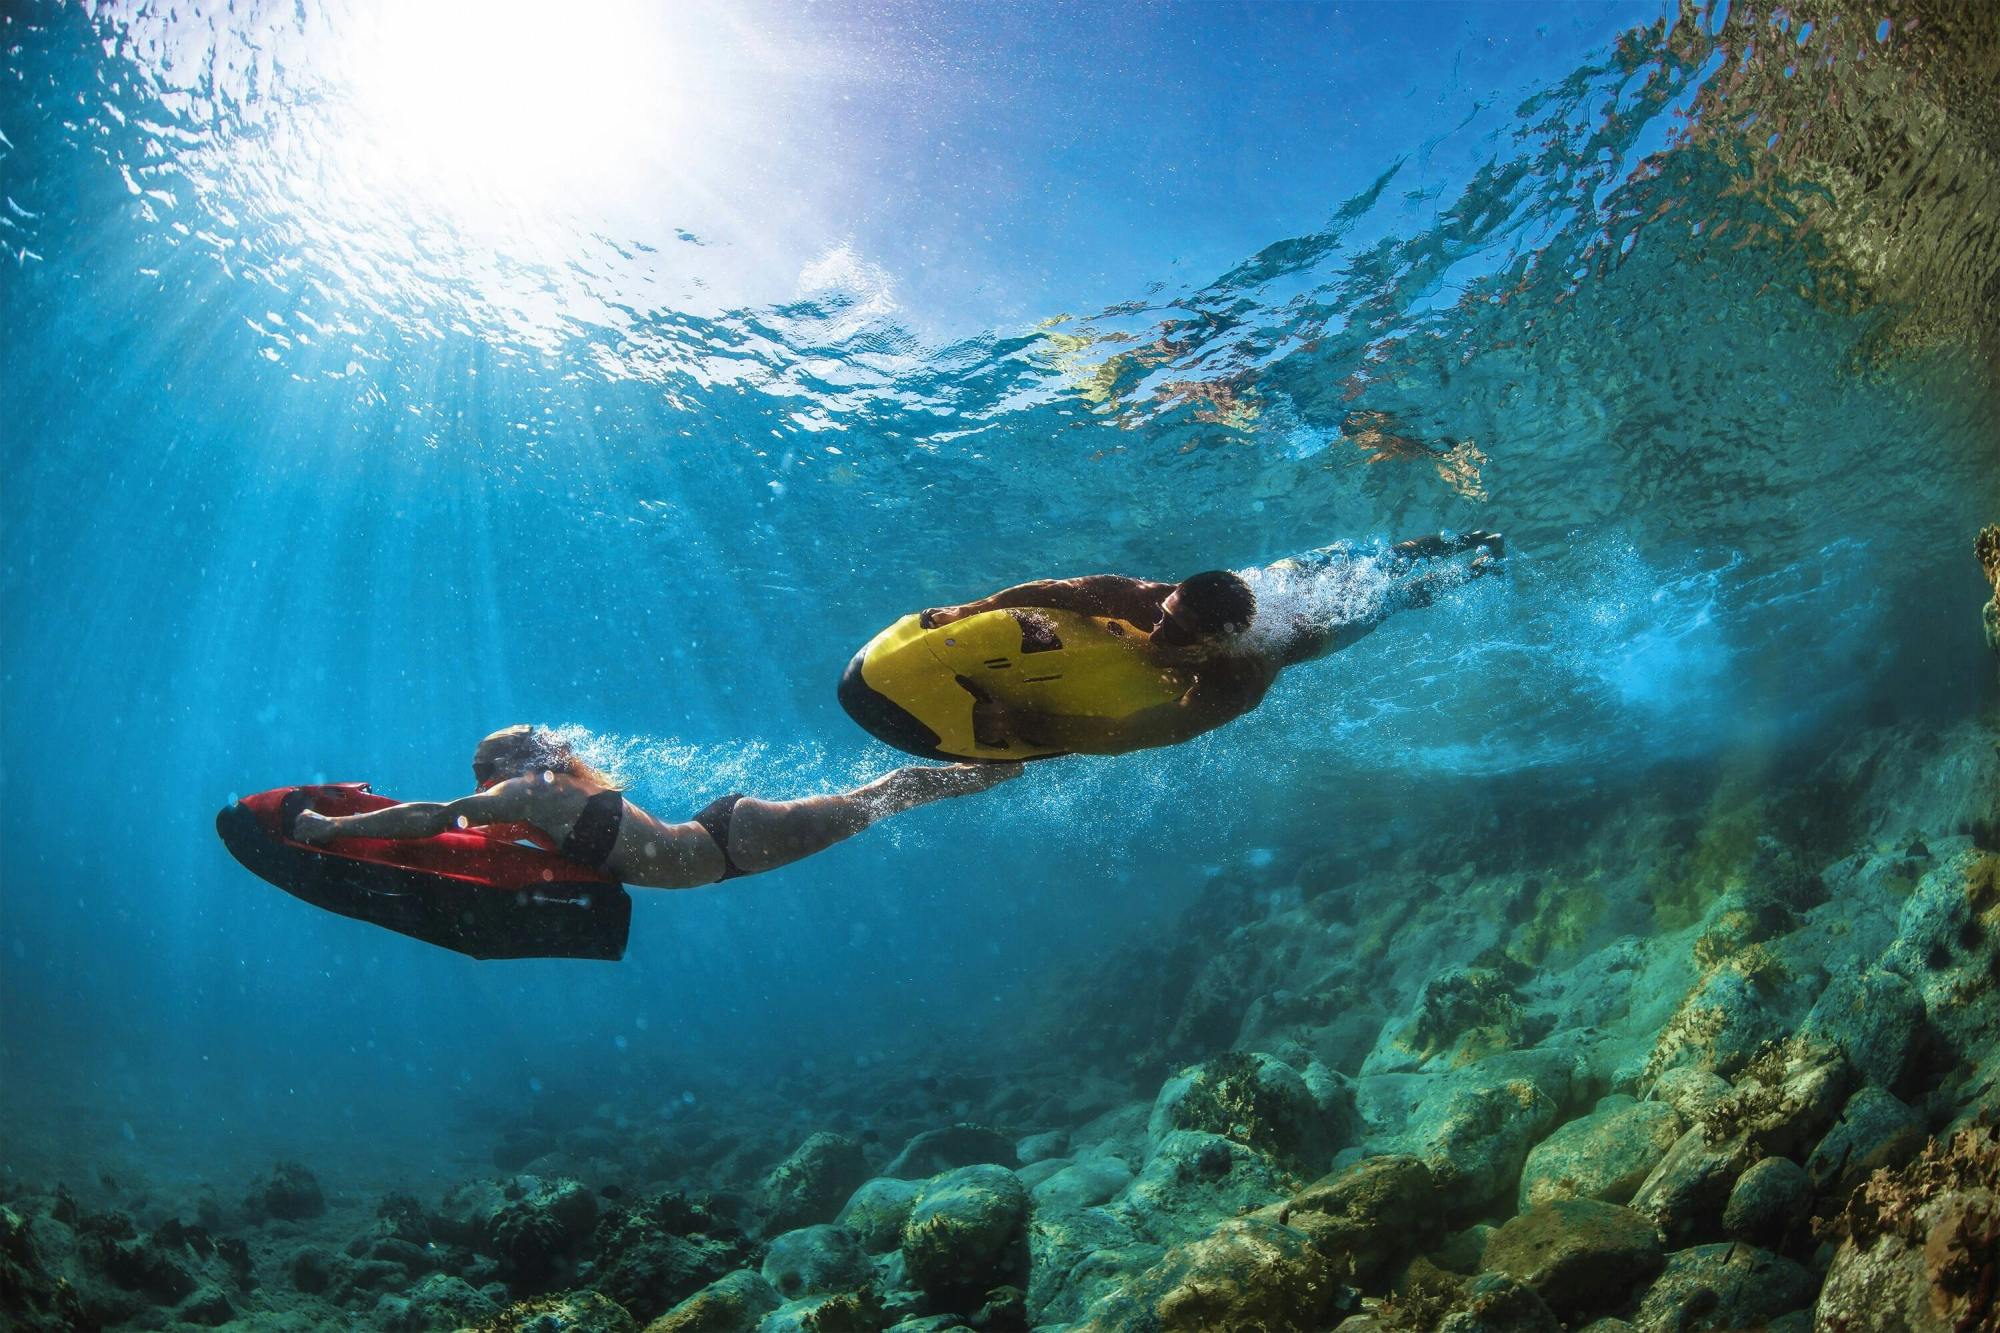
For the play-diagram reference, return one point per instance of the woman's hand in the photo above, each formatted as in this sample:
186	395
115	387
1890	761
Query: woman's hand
314	828
939	616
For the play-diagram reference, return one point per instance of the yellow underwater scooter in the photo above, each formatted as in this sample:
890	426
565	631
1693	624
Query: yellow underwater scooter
920	688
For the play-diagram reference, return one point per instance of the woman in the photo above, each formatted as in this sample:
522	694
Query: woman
533	786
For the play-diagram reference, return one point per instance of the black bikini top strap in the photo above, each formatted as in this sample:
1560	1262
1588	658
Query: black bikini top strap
595	833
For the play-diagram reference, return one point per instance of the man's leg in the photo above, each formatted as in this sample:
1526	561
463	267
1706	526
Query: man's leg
764	835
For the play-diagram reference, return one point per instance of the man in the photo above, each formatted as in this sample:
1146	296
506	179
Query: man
1210	633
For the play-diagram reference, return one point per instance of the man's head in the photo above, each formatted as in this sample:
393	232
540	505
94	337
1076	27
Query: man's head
1210	604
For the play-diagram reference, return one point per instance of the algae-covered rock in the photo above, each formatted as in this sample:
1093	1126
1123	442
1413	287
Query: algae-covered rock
1462	1015
937	1150
652	1257
1083	1184
837	1312
1769	1203
1783	1100
1723	1287
1874	1017
1247	1274
1194	1180
1986	549
1580	1256
32	1298
1725	1019
1076	1258
1920	1246
1685	1194
875	1213
1370	1216
568	1312
1041	1147
290	1192
1948	946
814	1260
964	1234
439	1301
1498	1303
1476	1138
736	1303
1875	1130
530	1233
1605	1155
1261	1103
810	1185
1691	1092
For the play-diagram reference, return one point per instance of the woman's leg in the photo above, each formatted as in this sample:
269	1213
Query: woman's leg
764	835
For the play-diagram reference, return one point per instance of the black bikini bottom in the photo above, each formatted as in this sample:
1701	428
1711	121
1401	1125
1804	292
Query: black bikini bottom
714	818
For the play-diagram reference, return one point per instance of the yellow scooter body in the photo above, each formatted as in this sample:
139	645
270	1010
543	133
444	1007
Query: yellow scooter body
917	688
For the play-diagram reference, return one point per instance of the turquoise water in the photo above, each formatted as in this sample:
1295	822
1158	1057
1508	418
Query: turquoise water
373	381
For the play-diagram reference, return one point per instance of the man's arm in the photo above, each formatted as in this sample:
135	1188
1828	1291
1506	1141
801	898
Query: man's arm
1112	595
507	802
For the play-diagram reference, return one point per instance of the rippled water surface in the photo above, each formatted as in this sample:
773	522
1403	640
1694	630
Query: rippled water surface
377	375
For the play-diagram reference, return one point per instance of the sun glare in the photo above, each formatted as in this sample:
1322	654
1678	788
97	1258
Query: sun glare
511	105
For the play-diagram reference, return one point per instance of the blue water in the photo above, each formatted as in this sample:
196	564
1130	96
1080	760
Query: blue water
354	407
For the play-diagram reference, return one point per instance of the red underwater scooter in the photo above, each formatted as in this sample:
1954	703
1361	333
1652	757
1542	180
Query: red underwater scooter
463	890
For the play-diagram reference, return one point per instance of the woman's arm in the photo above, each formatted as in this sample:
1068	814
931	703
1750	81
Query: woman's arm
501	804
1092	595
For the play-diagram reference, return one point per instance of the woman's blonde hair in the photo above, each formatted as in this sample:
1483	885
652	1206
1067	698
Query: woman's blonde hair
513	751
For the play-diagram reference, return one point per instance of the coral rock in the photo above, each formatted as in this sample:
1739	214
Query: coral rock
937	1150
1369	1216
290	1193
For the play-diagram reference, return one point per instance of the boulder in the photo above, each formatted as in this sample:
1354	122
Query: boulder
1195	1180
567	1312
1261	1103
1723	1287
289	1192
1370	1216
813	1261
1498	1303
1685	1194
937	1150
875	1214
1875	1130
1476	1138
1249	1273
1581	1256
1041	1147
840	1312
1083	1184
1947	937
1874	1017
1605	1155
1770	1203
531	1232
1920	1245
1691	1092
652	1257
733	1304
965	1233
439	1301
1076	1258
810	1185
